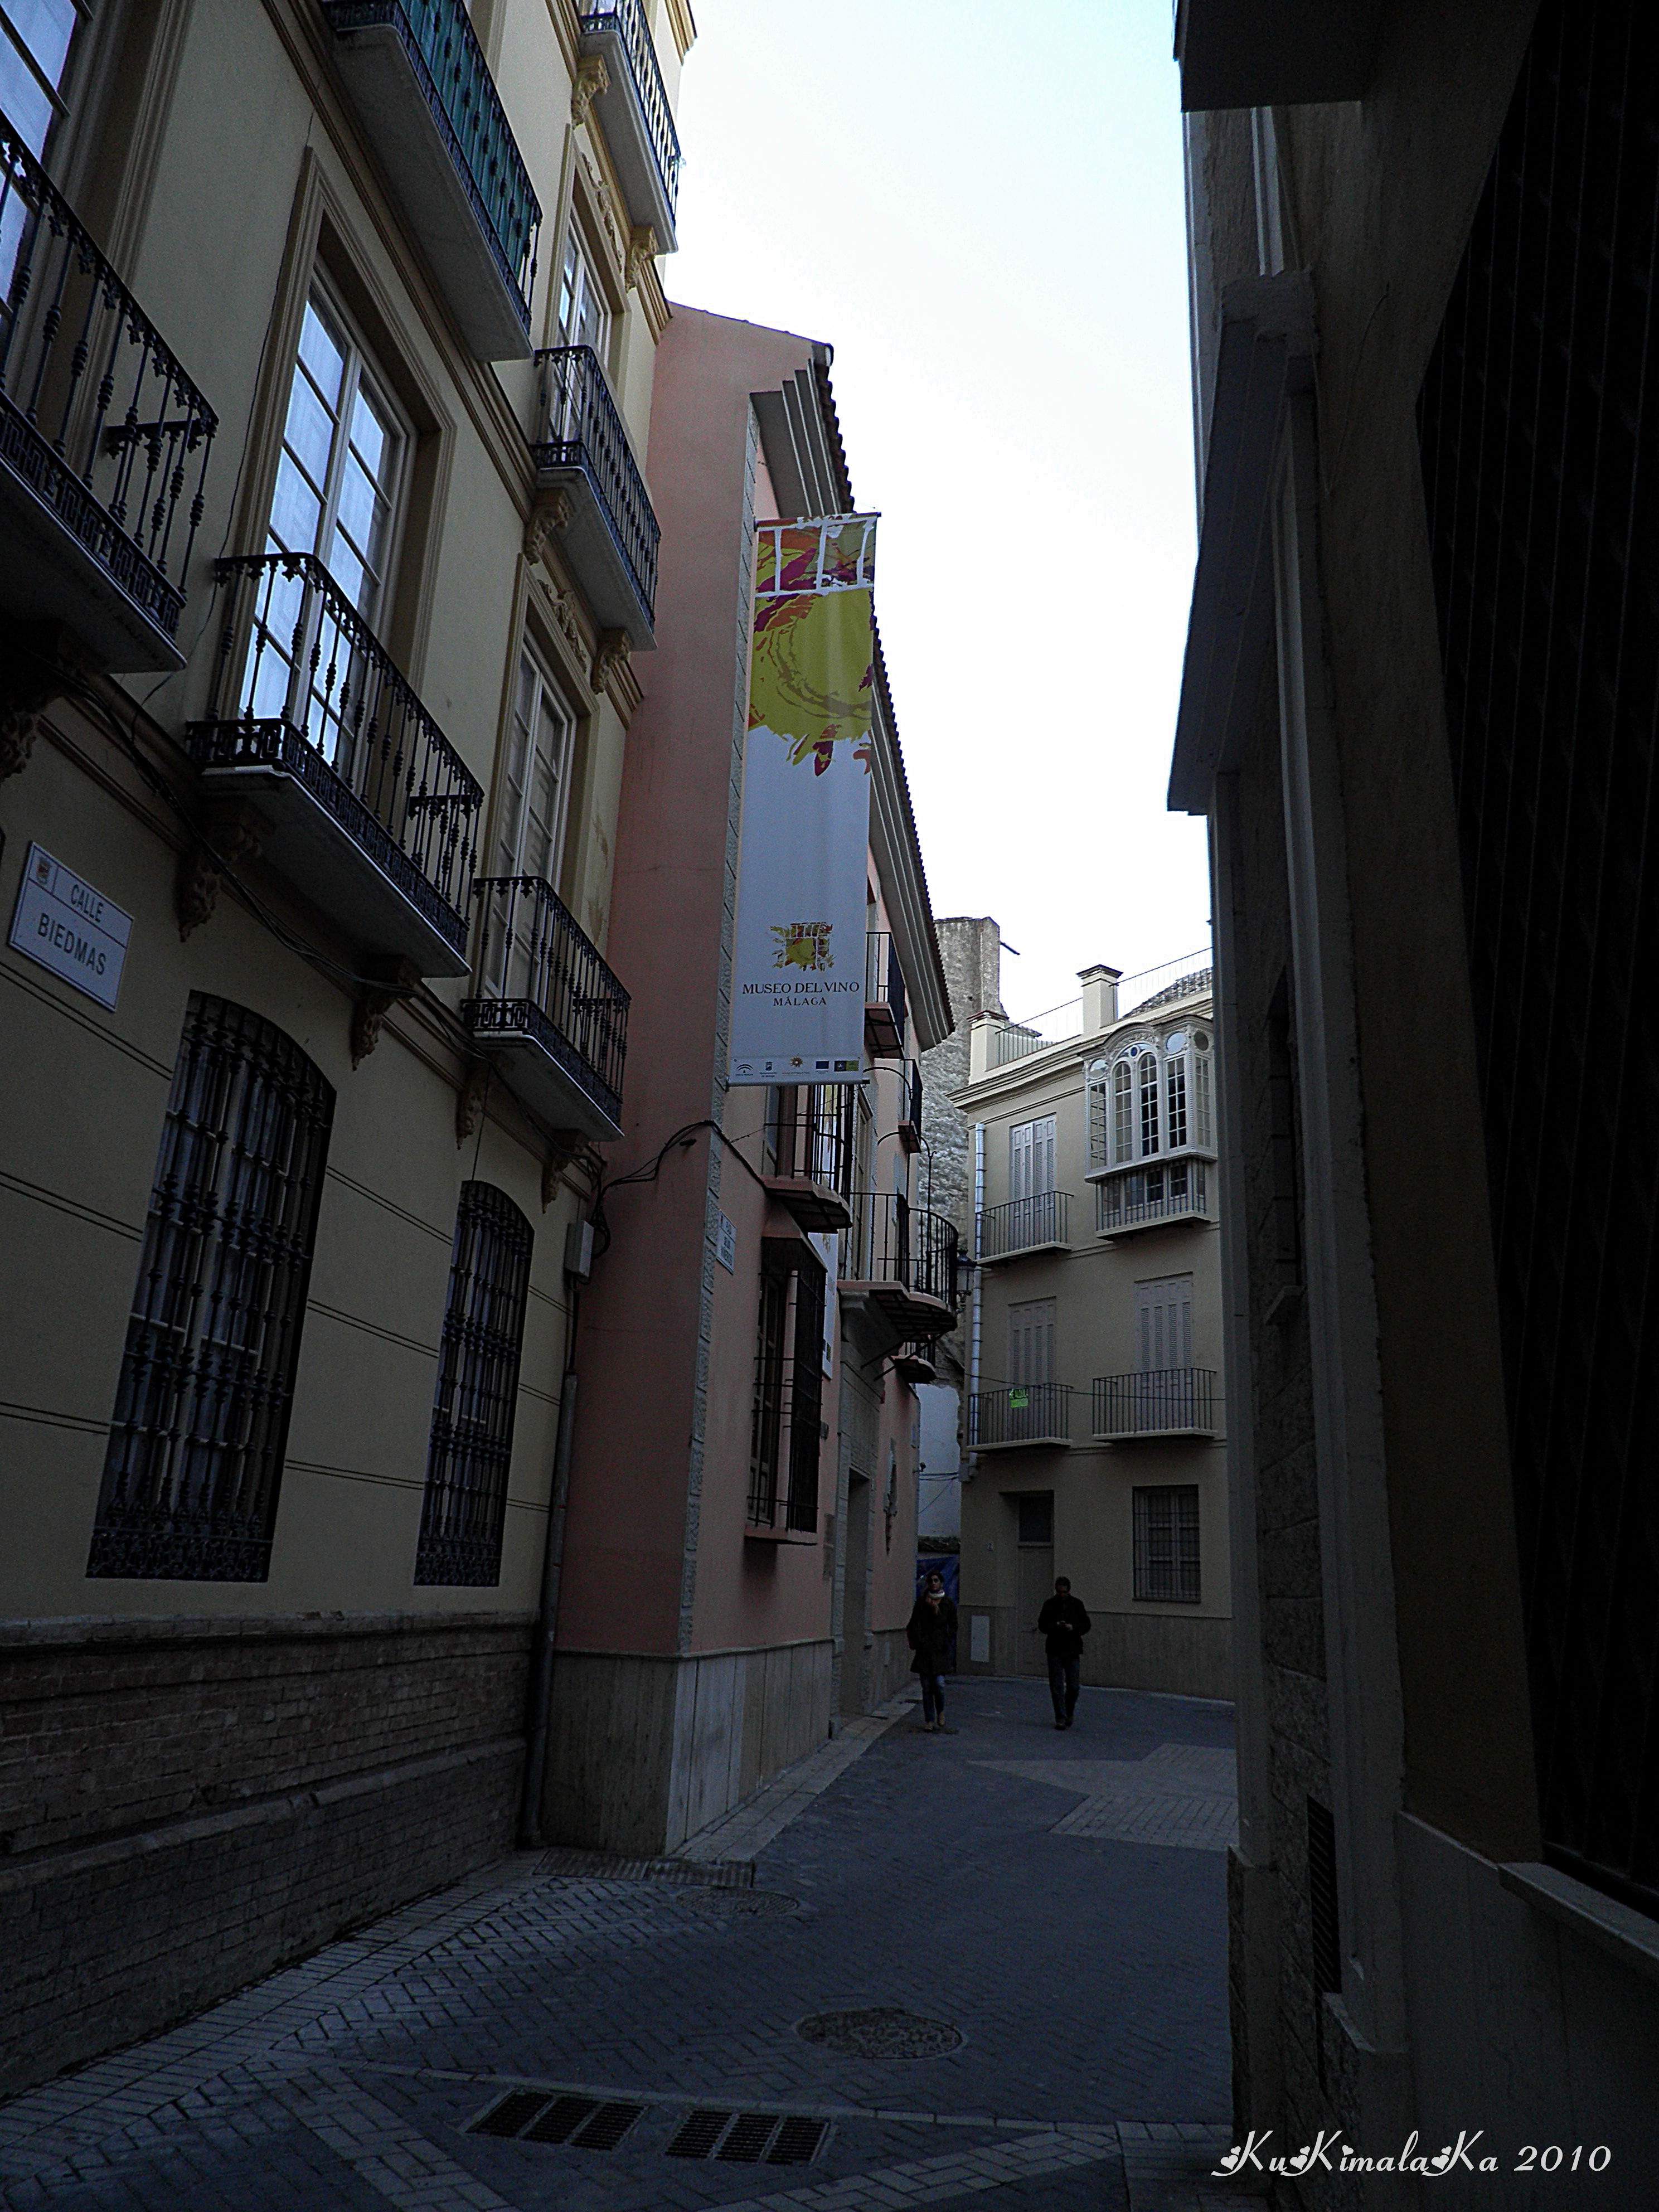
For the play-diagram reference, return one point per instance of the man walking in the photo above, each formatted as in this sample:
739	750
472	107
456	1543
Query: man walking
1063	1623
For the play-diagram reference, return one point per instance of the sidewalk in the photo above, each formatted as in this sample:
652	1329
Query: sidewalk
1027	1928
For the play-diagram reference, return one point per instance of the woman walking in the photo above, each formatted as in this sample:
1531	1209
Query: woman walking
932	1632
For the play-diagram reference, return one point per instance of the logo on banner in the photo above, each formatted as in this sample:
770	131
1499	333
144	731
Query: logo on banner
803	944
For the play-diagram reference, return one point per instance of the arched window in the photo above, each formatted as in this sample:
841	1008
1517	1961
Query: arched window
464	1507
200	1426
1123	1113
1147	1084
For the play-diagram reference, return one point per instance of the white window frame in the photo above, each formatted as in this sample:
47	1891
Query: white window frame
579	285
509	848
1164	1324
1031	1157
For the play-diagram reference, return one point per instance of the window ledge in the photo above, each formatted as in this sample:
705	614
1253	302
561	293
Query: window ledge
1629	1935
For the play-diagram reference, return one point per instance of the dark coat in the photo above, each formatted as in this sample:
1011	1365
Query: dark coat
930	1634
1064	1622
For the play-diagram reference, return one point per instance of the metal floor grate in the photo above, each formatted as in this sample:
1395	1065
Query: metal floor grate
749	2138
532	2116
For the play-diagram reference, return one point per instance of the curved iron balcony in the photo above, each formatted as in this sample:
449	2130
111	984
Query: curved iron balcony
426	98
635	114
100	434
361	801
547	1006
1041	1223
1020	1413
883	994
1166	1401
904	1262
607	529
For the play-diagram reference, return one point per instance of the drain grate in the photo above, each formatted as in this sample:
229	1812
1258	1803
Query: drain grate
749	2138
879	2032
737	1904
530	2116
565	1863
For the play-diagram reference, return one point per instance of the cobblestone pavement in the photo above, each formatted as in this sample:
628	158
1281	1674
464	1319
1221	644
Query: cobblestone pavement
1057	1901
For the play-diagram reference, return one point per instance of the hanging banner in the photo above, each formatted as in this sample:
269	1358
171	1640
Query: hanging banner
799	946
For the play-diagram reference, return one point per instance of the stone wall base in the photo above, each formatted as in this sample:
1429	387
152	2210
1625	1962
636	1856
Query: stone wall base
1189	1657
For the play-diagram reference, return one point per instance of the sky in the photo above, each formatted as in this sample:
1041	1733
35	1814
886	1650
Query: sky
980	208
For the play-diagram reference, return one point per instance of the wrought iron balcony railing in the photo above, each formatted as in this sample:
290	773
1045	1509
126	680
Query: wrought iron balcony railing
306	700
884	994
1140	1198
909	1121
811	1138
545	999
634	113
903	1260
1166	1401
1025	1225
430	52
581	446
1020	1413
104	440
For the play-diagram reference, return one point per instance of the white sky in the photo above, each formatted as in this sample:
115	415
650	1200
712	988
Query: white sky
979	207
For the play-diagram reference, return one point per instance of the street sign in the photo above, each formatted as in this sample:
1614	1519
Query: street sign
66	925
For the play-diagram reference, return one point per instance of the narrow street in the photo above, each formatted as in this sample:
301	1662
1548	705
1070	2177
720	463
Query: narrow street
1032	1926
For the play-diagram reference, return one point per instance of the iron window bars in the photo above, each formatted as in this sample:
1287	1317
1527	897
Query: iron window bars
627	19
539	973
1156	1401
1024	1223
303	684
1020	1413
1143	1194
891	1241
464	1507
1166	1544
812	1134
449	65
195	1453
577	427
97	417
785	1429
883	978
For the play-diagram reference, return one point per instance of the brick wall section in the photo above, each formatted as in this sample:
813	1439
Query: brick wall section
186	1805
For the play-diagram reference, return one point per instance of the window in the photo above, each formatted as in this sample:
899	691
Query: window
200	1426
1203	1092
465	1508
1031	1157
530	832
1123	1115
1164	1324
1166	1544
584	311
338	476
1036	1509
1148	1084
1031	1342
34	43
1175	1094
786	1424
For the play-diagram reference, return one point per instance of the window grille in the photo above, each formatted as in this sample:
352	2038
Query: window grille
1166	1544
785	1424
1540	466
464	1509
806	1399
1148	1066
195	1455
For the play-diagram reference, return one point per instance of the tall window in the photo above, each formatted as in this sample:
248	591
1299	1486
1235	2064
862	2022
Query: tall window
1123	1112
1031	1342
196	1445
337	478
1164	1324
465	1508
1146	1085
1166	1544
785	1425
1203	1091
1031	1157
530	832
35	45
584	311
1174	1091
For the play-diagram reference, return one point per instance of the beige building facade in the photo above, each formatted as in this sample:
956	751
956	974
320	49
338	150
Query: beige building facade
328	553
1095	1412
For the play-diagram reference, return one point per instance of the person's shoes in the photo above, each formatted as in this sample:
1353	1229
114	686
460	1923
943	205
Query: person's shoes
928	1727
1060	1723
941	1729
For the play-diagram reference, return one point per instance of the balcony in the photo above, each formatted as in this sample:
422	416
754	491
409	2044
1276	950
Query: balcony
1020	1413
1167	1401
546	1008
1149	1197
1041	1223
812	1143
916	1362
634	115
584	468
909	1121
425	98
364	805
901	1264
101	434
883	995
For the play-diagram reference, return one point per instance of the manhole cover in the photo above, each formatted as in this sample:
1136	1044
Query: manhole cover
737	1904
883	2032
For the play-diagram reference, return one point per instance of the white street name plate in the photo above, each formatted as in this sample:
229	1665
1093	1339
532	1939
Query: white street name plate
70	928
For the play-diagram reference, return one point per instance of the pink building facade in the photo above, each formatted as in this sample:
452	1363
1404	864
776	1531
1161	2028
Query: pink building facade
737	1556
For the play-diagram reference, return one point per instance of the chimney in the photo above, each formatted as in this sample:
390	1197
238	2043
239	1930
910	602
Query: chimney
1099	997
